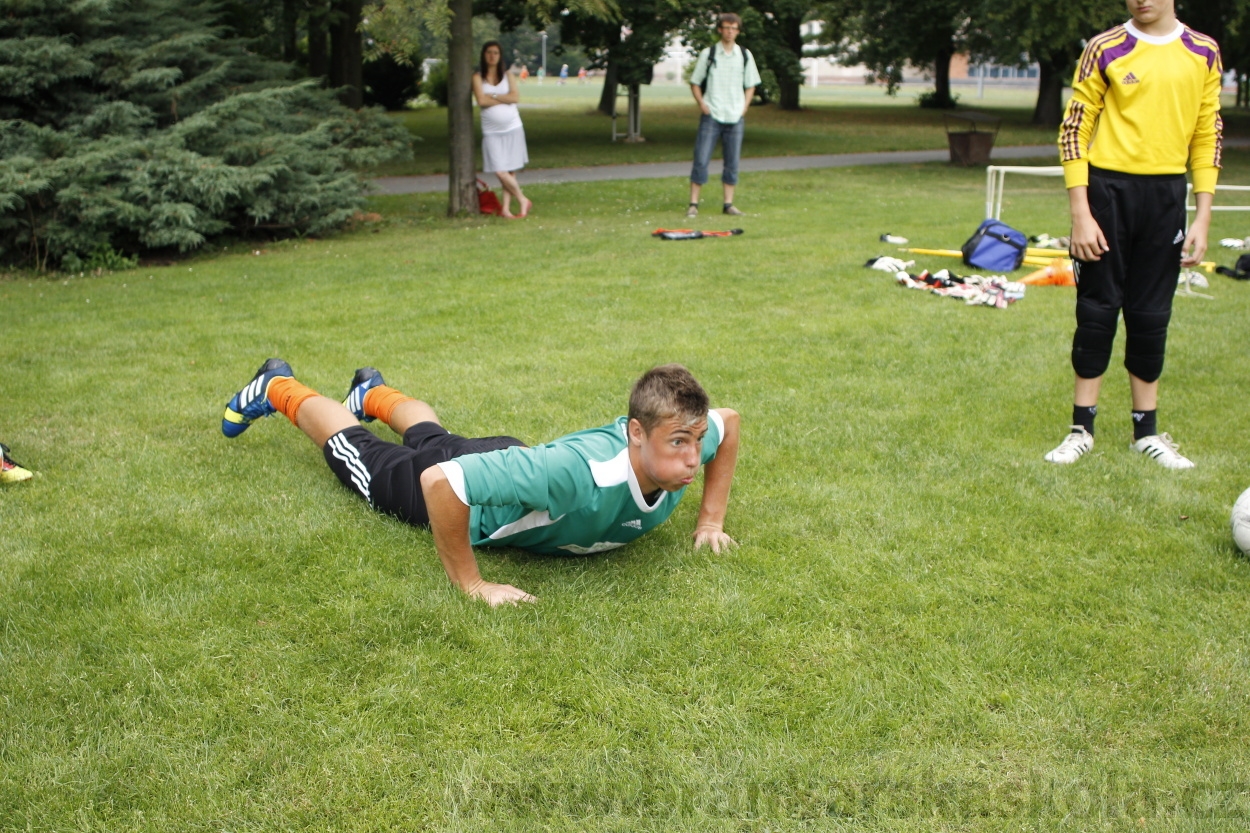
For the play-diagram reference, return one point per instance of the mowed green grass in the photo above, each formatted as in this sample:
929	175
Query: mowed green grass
563	129
926	627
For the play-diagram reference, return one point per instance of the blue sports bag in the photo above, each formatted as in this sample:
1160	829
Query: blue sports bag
995	247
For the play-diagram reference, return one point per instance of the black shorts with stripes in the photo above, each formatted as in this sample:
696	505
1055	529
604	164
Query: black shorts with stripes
388	475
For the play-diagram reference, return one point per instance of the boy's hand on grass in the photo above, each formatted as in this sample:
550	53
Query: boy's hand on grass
498	594
715	538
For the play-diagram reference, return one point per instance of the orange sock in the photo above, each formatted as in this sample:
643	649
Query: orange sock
381	402
287	393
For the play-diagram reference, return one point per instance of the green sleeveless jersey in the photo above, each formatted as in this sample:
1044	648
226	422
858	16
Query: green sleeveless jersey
574	495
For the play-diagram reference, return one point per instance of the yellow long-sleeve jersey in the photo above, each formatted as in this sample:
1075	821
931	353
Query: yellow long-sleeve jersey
1153	103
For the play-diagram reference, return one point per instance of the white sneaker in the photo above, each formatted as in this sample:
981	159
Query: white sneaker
1073	446
1163	450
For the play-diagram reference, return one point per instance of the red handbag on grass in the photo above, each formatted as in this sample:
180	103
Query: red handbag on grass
487	202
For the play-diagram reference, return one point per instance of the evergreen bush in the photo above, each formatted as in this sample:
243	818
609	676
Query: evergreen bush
139	124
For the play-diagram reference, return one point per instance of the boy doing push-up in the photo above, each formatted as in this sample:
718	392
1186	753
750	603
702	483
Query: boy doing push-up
586	492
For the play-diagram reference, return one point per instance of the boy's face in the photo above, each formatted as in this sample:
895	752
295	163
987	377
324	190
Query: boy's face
669	457
1146	12
728	32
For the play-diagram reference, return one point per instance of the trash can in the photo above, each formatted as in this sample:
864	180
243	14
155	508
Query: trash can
971	137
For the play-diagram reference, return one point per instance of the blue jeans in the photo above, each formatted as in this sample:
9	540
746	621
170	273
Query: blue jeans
730	136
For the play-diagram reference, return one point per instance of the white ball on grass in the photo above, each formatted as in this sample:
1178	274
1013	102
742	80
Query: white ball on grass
1241	522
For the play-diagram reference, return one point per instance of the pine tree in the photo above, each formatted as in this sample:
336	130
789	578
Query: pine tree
138	124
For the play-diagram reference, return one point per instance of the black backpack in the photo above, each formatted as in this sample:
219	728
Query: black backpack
1240	272
711	64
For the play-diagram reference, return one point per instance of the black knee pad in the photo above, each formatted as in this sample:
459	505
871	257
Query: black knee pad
1146	335
1095	332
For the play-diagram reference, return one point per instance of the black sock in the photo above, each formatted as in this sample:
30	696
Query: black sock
728	204
1083	415
1144	424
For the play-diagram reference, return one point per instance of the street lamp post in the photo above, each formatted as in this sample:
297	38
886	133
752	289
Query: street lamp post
544	34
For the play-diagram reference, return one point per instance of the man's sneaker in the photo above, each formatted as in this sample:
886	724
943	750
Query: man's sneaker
252	402
366	379
692	210
1073	446
10	470
1163	451
733	210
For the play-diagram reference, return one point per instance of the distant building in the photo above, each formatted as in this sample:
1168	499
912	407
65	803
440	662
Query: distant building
821	69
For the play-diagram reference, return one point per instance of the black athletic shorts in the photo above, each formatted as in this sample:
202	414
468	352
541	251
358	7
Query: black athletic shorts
1143	218
388	476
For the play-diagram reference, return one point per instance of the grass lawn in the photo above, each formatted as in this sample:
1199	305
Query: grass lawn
926	627
563	129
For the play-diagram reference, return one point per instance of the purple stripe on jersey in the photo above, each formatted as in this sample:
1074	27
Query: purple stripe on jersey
1117	51
1200	49
1090	57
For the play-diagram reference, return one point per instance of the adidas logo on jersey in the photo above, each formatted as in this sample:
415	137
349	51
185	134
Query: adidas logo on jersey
1180	235
1131	79
634	524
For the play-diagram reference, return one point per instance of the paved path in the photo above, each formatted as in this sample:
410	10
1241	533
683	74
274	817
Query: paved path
662	170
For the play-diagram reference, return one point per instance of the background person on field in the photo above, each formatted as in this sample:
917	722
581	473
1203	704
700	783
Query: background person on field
723	84
1151	88
586	492
503	137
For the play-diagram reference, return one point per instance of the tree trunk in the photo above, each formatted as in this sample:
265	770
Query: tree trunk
942	79
789	89
790	81
462	188
607	99
1048	111
347	52
290	22
318	55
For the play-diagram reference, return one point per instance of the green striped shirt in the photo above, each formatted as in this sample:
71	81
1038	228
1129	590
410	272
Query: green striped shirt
726	88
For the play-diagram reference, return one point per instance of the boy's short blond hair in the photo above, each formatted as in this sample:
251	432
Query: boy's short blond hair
729	17
665	392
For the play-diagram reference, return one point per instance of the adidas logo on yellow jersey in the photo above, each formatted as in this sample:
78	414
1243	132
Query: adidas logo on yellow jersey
1131	79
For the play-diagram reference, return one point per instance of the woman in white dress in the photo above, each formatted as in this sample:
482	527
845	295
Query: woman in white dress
503	138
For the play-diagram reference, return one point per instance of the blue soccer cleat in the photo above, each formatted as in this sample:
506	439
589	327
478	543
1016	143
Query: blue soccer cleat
252	402
365	380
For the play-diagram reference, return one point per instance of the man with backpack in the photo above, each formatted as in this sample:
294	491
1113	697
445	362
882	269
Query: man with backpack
723	83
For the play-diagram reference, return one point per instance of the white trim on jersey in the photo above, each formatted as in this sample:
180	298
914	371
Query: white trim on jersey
533	520
1157	40
455	477
634	489
599	546
714	417
609	473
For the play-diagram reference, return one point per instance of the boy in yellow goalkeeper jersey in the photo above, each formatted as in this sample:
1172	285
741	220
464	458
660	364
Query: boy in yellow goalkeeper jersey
1145	104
